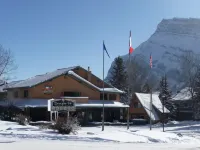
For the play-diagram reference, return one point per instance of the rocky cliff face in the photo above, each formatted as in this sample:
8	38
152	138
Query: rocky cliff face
172	38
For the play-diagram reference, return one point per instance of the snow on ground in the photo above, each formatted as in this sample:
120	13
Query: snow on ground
177	133
69	145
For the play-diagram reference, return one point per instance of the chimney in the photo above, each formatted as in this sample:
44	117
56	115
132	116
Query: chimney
89	74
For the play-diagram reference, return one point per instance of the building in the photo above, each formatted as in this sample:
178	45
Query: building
183	102
3	86
75	83
140	107
3	93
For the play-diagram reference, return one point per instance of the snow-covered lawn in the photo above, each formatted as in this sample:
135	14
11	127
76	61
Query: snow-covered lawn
69	145
176	136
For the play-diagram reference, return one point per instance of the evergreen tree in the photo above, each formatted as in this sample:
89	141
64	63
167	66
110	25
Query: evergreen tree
119	78
146	88
197	97
165	97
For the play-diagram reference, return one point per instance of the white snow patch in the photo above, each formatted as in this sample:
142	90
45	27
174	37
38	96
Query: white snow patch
119	134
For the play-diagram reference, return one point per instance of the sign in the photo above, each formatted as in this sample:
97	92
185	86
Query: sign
61	105
48	90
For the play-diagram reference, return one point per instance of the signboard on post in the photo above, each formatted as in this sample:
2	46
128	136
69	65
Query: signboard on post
61	105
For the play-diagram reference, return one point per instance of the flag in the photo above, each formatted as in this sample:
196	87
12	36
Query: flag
104	48
150	62
130	45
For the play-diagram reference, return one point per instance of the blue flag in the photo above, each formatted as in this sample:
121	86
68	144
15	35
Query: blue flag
104	48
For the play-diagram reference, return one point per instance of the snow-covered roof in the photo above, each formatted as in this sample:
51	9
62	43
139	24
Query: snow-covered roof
99	104
2	88
44	103
41	78
184	94
145	101
48	76
111	90
5	85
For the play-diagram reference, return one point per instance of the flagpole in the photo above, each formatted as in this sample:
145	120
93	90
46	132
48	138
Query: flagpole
103	94
150	109
129	60
150	95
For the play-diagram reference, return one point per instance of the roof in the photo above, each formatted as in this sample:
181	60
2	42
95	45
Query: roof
41	78
99	104
4	86
184	94
48	76
44	103
145	101
2	82
111	90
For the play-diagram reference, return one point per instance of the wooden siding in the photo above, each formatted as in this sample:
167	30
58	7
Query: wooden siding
59	85
136	112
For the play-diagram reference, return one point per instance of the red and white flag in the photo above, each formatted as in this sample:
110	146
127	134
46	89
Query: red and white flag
130	45
150	62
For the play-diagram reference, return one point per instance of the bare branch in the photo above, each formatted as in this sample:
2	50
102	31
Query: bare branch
7	64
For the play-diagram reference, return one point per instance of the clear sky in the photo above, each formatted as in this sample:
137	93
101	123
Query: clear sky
45	35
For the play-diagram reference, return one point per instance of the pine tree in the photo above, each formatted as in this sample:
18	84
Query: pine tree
165	97
119	78
146	88
197	97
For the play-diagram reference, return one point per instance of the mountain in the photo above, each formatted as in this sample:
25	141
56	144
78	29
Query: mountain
172	38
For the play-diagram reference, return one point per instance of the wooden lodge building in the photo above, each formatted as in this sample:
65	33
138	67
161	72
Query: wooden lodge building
140	107
75	83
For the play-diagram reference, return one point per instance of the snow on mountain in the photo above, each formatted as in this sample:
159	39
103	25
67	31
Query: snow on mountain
172	38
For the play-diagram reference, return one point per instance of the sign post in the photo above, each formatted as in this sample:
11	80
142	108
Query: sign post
56	105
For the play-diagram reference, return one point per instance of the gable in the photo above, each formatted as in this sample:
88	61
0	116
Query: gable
94	79
61	84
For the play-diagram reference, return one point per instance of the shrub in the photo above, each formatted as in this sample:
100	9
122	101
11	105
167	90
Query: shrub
66	126
8	113
22	119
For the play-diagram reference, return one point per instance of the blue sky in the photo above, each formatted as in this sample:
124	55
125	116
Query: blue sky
45	35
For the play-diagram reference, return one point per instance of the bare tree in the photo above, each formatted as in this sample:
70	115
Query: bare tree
138	73
189	64
7	65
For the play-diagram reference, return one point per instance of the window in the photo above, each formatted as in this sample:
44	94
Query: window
72	94
137	105
112	96
25	93
16	94
105	96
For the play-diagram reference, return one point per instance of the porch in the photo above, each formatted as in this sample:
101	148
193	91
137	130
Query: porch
90	111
